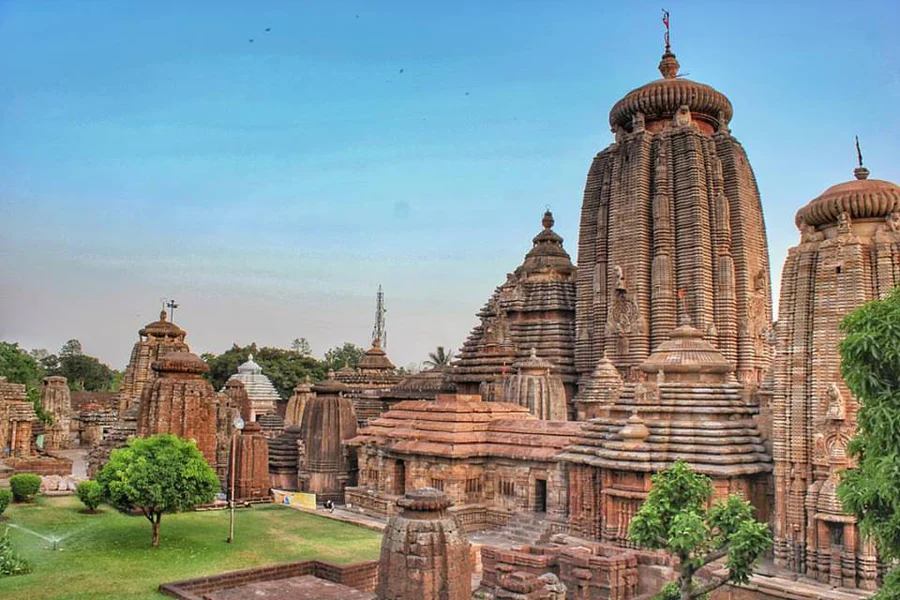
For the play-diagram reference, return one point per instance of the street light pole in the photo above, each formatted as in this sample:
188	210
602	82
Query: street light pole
238	426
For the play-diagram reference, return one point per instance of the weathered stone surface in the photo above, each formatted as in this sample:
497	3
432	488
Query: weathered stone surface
424	554
328	421
155	341
535	308
672	208
293	414
848	253
179	401
251	463
56	400
16	419
537	388
374	374
286	453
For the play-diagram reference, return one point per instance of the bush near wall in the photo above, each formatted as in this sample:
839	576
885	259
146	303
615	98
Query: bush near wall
24	486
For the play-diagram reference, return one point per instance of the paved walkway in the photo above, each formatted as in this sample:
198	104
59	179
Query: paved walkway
346	516
79	458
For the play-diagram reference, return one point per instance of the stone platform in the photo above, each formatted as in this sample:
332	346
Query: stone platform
292	588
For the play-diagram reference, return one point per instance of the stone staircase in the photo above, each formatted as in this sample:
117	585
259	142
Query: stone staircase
523	529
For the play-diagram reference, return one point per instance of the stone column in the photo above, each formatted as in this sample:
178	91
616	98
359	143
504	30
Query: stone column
56	400
424	554
251	463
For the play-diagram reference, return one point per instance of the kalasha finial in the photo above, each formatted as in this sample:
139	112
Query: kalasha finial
860	172
547	221
668	66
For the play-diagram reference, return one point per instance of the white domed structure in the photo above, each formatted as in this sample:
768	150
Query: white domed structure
263	395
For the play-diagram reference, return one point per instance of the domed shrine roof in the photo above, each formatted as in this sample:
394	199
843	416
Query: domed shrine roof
180	362
661	99
259	388
686	351
330	385
547	250
375	358
162	328
860	198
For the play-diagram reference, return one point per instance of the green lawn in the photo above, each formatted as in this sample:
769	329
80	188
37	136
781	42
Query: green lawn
108	555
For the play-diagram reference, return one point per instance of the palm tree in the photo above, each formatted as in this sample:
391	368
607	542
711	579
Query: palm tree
440	358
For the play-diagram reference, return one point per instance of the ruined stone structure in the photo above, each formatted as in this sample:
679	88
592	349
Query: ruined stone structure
691	408
293	414
263	395
671	209
424	554
374	374
16	419
235	395
179	401
849	253
226	414
328	421
116	436
479	453
251	464
56	400
537	388
156	340
535	308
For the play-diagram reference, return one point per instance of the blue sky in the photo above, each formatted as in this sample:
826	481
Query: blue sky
150	150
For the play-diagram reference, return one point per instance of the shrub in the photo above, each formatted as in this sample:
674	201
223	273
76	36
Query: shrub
5	499
10	562
24	486
90	493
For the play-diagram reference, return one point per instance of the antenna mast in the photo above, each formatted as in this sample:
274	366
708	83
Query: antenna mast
379	332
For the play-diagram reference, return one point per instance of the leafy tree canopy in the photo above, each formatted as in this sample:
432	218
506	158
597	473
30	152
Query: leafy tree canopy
285	368
157	475
677	517
346	354
302	346
18	366
870	366
439	358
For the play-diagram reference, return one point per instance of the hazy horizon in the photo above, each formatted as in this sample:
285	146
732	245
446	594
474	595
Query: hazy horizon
153	150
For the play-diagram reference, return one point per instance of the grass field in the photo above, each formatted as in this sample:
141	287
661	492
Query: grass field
108	555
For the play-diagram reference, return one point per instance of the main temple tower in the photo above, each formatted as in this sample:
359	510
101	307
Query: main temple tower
672	221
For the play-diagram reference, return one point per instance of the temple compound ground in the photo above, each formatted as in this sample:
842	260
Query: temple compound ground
108	555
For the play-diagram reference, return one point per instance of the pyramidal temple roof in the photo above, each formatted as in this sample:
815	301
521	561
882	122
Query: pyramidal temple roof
259	388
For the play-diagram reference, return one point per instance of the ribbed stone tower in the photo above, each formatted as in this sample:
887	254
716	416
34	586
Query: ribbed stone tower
156	340
293	414
535	308
536	387
251	463
328	420
181	402
424	554
672	209
849	253
56	400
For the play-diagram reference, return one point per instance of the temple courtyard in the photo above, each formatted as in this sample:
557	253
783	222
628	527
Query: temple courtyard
108	554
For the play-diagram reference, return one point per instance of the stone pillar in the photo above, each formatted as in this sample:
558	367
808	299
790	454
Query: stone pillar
424	553
56	400
251	463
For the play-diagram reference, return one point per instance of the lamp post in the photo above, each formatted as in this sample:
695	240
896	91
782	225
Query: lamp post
238	426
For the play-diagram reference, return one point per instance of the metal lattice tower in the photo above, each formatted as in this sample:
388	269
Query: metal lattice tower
379	332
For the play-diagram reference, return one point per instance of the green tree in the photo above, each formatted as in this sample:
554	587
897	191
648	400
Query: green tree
302	346
439	358
70	348
86	373
346	354
870	366
677	517
285	368
157	475
90	493
19	366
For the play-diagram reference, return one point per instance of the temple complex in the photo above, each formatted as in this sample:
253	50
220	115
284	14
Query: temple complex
57	402
535	308
849	253
424	554
328	421
179	401
490	454
671	208
263	395
156	340
691	408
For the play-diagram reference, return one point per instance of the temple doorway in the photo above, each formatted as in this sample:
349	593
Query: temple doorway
399	478
540	495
